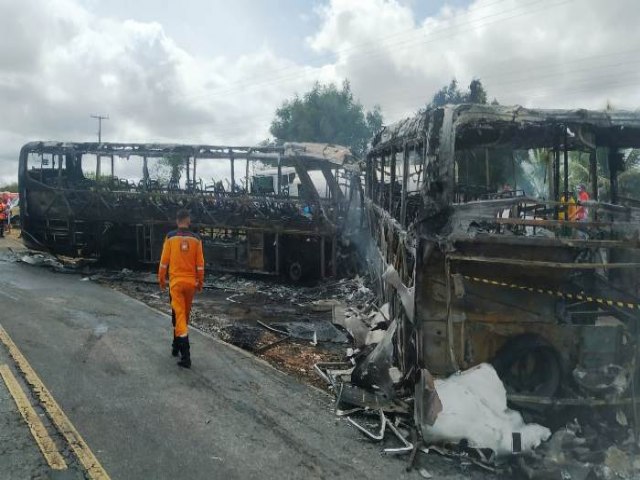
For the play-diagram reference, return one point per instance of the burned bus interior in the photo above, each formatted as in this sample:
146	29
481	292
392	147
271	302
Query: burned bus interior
488	249
271	210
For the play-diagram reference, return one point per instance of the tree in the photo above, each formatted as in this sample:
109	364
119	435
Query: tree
448	94
327	114
11	187
168	169
374	119
451	94
477	93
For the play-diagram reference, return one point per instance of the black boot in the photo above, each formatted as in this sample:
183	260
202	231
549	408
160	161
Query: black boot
185	352
175	350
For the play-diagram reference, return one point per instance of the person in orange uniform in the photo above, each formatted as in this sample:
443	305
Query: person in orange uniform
182	257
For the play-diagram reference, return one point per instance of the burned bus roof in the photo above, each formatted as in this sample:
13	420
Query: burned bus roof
314	155
414	128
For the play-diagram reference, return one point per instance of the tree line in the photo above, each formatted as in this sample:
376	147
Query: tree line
332	114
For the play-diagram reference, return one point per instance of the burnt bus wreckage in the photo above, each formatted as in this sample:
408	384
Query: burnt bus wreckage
266	221
477	269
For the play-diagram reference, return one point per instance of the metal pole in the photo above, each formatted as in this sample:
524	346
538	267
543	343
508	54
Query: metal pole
100	118
486	169
393	180
277	252
593	172
322	258
381	192
403	200
233	171
195	170
334	257
246	175
566	167
556	177
614	163
279	186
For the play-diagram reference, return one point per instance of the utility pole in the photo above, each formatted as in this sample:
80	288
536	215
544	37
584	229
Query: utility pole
100	118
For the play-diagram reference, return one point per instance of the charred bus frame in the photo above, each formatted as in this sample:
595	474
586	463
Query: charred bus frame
67	211
475	273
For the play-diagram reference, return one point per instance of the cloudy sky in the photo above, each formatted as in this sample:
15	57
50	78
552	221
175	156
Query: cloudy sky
213	71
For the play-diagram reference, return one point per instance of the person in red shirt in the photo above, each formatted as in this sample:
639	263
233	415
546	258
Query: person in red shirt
582	212
3	216
183	259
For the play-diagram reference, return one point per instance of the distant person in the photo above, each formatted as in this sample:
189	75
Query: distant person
7	213
582	213
182	257
568	208
3	216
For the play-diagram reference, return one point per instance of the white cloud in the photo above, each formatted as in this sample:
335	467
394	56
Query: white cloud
59	62
548	53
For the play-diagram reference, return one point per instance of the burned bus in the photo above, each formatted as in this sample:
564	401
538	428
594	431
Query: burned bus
483	256
116	201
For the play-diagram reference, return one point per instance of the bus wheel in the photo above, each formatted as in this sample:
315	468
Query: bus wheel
295	271
528	365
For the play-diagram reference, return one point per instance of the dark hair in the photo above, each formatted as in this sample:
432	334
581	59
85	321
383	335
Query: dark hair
182	215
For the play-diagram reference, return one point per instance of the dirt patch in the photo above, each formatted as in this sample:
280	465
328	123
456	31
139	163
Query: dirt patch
298	359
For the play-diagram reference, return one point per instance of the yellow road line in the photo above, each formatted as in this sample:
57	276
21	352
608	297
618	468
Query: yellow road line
40	434
86	457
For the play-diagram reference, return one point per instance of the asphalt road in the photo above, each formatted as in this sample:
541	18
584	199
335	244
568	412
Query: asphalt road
105	358
19	454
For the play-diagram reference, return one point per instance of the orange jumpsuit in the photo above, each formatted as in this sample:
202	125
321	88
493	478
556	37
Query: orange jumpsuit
182	256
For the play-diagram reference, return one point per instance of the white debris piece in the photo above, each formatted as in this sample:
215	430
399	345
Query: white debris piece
424	473
395	374
475	408
392	277
374	336
40	259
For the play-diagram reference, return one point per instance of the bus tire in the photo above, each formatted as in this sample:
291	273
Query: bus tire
294	271
529	365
